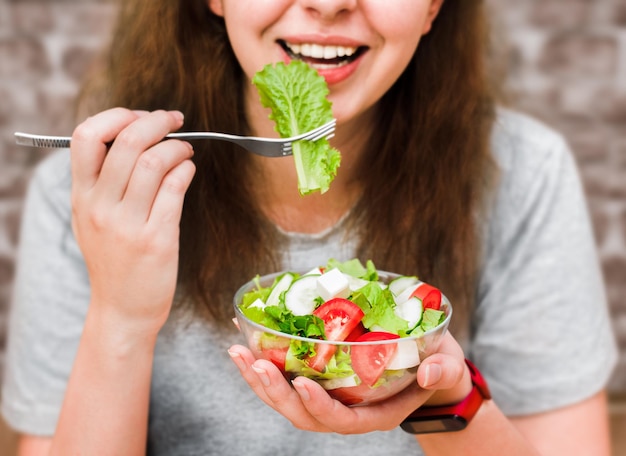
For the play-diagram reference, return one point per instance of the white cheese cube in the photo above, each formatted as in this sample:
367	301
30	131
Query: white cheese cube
333	284
406	356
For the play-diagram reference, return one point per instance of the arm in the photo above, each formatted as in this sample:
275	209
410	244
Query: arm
126	202
32	445
587	420
106	405
577	429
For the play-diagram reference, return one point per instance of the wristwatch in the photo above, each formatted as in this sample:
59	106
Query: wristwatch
448	418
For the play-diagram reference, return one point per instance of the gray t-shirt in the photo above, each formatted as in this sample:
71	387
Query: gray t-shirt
542	335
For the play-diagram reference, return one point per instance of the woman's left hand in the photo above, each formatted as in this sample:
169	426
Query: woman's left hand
442	378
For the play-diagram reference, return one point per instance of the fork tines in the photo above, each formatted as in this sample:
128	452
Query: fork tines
326	131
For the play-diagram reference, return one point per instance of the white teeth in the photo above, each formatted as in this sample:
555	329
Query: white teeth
317	51
330	53
295	48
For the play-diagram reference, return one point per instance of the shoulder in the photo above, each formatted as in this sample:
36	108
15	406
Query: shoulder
539	278
531	157
519	139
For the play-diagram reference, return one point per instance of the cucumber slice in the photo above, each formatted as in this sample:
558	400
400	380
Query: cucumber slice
300	297
282	285
410	310
406	293
400	284
314	271
355	283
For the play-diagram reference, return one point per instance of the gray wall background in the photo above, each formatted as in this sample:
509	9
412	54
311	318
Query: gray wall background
566	61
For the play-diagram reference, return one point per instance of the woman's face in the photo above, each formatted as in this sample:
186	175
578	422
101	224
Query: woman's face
359	46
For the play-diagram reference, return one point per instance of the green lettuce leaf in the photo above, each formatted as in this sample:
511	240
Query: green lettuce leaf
378	306
339	366
431	318
355	268
299	325
296	95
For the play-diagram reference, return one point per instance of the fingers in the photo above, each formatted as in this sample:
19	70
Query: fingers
380	416
270	385
89	144
168	204
130	144
139	168
244	359
442	378
165	172
309	407
281	396
131	133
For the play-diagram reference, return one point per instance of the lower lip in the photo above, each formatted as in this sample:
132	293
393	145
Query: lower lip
335	75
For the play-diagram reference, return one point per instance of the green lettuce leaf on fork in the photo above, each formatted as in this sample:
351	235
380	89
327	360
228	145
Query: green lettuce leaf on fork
296	95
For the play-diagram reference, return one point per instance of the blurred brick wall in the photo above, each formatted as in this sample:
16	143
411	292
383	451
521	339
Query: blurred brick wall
566	61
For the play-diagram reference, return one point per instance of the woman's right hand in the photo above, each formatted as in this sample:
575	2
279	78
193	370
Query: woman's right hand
127	201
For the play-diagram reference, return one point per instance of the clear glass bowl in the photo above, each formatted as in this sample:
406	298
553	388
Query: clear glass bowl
271	345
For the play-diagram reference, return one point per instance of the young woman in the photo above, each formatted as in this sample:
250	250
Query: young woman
121	340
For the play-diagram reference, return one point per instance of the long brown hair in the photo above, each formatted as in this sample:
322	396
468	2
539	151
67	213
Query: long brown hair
424	176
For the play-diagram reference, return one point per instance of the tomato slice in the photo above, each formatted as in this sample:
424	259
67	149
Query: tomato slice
323	354
340	317
278	356
369	361
357	332
351	395
274	349
429	295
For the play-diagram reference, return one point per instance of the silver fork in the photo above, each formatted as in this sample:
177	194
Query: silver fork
267	147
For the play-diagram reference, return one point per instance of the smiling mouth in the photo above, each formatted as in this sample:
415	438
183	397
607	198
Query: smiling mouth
322	56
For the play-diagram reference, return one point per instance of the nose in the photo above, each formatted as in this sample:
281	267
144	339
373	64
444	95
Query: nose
328	9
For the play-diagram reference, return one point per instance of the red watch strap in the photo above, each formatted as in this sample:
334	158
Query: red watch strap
477	380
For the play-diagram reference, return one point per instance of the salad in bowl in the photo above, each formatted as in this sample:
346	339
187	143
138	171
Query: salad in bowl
357	331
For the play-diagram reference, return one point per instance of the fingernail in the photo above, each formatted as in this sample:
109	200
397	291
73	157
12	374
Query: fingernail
433	374
262	373
238	360
301	390
178	115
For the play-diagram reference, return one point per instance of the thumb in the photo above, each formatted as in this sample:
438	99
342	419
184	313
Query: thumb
448	376
440	371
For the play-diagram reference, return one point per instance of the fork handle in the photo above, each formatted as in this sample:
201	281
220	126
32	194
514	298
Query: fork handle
53	142
63	142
